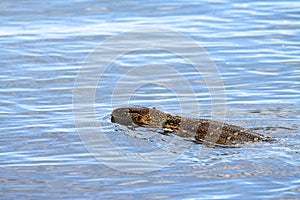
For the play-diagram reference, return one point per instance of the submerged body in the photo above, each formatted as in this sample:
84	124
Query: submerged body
201	130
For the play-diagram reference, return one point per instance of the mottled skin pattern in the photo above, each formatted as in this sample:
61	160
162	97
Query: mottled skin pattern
201	130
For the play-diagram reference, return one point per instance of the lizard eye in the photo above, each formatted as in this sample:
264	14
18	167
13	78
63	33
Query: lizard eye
139	117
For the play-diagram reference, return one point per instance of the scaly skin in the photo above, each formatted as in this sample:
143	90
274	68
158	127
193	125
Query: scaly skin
201	130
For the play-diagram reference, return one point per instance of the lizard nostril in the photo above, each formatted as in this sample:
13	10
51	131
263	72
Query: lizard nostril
112	119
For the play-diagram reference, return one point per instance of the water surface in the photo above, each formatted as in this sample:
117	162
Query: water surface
255	46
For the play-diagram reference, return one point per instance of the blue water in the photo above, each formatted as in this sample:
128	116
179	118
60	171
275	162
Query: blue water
255	47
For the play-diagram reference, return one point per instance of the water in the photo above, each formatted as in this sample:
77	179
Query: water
255	47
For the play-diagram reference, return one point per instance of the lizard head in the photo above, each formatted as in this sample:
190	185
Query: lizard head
131	115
